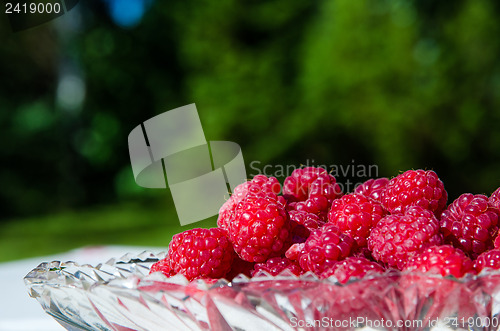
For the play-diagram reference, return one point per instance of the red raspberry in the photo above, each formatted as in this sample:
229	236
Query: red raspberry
444	260
274	266
398	237
372	188
470	224
308	182
311	189
260	228
488	260
356	215
162	265
259	185
494	199
415	187
201	253
324	247
302	223
357	267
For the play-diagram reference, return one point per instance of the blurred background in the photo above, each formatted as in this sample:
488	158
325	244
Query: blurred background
395	84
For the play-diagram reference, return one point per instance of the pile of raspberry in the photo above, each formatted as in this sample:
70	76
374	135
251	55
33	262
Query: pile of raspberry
310	226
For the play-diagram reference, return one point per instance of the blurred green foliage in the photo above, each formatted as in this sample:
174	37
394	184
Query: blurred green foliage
399	84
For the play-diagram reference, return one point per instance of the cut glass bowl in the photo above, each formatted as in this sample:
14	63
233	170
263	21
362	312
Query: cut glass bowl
120	295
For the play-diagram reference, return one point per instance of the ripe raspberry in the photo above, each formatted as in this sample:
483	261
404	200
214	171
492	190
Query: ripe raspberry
260	228
302	223
488	260
357	267
308	182
276	265
259	185
415	187
201	253
398	237
356	215
162	265
372	188
494	199
324	247
311	189
470	224
444	260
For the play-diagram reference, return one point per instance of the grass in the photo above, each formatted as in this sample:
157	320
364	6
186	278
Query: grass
132	223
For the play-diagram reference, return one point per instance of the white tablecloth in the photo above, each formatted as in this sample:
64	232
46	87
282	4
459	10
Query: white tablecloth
19	312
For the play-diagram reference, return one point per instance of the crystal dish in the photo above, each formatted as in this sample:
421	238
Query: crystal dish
121	295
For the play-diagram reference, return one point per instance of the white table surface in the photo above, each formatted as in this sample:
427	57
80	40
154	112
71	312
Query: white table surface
19	312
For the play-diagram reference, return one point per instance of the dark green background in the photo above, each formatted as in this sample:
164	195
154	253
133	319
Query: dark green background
397	84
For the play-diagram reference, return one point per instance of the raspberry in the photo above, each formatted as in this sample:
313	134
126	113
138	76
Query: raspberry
372	188
274	266
201	253
398	237
494	199
309	182
302	223
415	187
259	185
162	265
260	228
444	260
356	215
470	224
357	267
311	189
324	247
488	260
